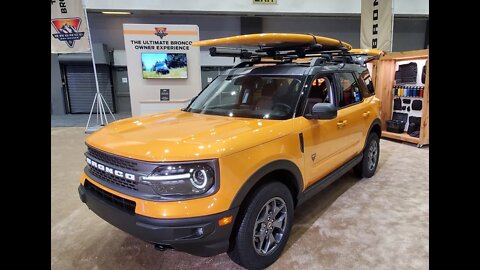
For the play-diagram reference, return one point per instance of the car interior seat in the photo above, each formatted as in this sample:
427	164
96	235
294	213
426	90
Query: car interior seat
248	89
318	94
266	100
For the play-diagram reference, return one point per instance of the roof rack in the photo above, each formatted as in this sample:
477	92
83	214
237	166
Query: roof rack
278	55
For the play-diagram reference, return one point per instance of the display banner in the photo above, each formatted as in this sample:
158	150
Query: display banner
376	31
68	27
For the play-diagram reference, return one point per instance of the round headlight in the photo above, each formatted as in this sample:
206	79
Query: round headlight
199	179
181	179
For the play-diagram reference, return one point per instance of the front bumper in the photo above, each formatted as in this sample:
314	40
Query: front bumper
201	236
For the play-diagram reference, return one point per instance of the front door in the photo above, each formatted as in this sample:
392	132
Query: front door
328	144
320	137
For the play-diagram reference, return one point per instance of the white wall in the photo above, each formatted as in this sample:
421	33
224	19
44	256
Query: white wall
411	7
404	7
108	29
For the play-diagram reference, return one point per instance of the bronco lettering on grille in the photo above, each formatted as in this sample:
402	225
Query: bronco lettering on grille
109	170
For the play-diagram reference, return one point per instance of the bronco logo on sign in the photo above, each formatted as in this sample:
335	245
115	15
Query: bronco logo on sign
161	32
67	29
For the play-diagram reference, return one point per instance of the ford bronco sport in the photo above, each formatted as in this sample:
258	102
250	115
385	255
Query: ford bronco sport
226	173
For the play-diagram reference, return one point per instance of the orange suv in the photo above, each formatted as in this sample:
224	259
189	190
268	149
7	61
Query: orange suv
226	173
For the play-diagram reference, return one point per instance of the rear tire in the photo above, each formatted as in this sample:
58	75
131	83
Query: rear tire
264	227
367	167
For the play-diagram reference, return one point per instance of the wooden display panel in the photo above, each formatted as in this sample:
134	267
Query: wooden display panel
385	80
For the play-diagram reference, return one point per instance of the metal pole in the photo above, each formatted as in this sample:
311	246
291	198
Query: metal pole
103	111
99	105
97	112
91	49
98	96
94	67
91	110
109	108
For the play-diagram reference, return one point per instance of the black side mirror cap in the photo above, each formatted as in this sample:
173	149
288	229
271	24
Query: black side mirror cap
323	111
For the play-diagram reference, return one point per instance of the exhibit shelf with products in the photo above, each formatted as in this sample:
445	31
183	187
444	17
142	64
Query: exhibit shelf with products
402	83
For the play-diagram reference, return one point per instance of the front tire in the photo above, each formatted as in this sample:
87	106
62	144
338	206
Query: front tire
367	167
264	227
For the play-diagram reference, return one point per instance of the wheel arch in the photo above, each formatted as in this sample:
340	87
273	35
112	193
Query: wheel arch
284	171
375	127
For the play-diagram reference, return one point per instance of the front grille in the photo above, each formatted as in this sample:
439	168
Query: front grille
125	205
113	160
113	178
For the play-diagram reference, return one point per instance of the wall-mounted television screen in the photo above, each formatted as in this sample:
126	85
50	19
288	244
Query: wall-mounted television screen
164	65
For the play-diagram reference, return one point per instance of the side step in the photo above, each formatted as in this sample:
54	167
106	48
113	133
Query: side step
327	180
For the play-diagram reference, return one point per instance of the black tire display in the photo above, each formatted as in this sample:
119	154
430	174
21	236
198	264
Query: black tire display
264	226
371	153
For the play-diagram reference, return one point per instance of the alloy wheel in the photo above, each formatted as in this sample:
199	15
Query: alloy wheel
270	225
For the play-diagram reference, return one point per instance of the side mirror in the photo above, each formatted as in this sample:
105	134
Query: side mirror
323	111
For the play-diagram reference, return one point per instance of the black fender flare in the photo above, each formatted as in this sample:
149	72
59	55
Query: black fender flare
263	171
375	122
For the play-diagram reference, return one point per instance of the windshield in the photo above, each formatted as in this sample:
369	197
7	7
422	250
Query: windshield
251	96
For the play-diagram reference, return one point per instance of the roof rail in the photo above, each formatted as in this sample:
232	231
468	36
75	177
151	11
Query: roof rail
288	54
316	61
254	62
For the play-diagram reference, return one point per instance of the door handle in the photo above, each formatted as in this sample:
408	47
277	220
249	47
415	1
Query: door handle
341	124
366	114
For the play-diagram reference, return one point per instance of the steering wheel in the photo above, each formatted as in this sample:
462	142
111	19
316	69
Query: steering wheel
282	106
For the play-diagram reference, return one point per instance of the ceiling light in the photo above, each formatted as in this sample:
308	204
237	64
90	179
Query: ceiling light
117	12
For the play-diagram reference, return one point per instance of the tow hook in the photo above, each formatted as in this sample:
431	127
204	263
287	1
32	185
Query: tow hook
161	247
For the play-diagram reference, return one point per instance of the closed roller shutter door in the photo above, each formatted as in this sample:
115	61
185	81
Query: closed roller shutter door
81	87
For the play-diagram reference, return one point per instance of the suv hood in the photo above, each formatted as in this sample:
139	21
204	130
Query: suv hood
178	136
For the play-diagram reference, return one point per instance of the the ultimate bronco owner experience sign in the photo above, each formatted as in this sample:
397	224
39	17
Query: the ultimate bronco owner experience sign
161	56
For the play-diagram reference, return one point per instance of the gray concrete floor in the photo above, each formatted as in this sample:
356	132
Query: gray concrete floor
80	120
376	223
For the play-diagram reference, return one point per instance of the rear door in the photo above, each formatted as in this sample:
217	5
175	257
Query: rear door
350	122
370	104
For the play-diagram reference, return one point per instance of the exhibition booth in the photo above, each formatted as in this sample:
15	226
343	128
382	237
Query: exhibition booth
258	135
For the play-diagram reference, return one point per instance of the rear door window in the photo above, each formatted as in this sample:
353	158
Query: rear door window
348	92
